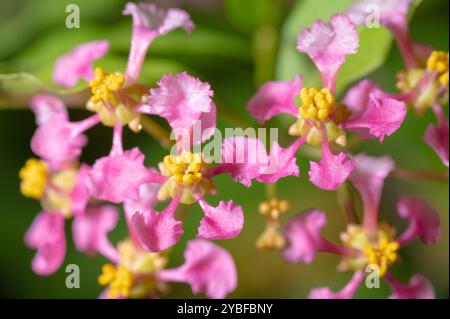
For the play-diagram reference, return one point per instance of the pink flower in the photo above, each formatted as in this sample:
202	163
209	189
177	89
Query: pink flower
90	230
274	98
46	234
208	268
346	293
78	63
328	45
372	243
149	22
57	140
321	120
417	288
182	100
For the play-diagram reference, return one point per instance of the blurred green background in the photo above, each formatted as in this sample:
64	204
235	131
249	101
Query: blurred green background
237	46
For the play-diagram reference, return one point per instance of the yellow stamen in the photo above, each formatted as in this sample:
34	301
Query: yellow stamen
185	168
104	84
383	255
274	208
439	61
34	177
119	279
316	105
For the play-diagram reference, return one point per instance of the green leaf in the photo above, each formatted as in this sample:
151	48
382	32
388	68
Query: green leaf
373	50
17	89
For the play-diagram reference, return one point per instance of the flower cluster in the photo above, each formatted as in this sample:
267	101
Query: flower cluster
90	194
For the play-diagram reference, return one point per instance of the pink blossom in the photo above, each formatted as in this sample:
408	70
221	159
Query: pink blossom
346	293
438	136
78	63
208	268
417	288
46	106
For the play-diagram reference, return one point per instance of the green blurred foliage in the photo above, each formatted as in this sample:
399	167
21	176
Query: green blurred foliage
237	45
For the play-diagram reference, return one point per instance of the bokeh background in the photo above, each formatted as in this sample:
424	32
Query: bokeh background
237	46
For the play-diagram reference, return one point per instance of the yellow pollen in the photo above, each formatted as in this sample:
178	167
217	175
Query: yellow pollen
104	84
185	168
34	177
119	279
439	61
316	105
383	255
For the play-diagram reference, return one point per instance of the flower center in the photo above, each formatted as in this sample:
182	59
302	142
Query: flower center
274	207
109	103
57	197
272	238
439	61
34	178
185	168
380	251
119	279
382	255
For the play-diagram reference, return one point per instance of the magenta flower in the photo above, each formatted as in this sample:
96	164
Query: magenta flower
424	82
208	269
320	119
370	244
63	194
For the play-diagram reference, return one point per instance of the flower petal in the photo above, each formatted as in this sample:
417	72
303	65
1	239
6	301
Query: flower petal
382	117
90	231
417	288
78	63
157	231
437	137
274	98
149	22
303	236
208	268
181	100
222	222
328	45
117	178
346	293
45	106
423	220
332	170
46	234
80	193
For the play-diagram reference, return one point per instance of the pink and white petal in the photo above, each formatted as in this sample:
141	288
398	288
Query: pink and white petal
181	100
90	231
45	106
80	192
303	236
423	220
381	118
207	122
208	268
149	22
328	46
77	64
222	222
274	98
46	235
368	178
332	170
346	293
357	97
417	288
437	137
157	231
117	178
